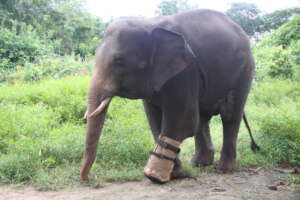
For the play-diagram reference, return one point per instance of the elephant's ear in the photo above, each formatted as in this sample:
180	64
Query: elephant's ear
169	56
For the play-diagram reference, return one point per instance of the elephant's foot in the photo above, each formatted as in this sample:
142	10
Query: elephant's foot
178	172
203	159
161	164
226	165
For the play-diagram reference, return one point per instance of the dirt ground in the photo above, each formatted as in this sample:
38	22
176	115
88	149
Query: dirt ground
249	185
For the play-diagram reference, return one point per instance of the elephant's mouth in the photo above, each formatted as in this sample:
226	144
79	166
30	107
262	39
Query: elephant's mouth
125	93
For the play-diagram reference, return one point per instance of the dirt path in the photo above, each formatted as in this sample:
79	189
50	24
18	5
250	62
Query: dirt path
251	185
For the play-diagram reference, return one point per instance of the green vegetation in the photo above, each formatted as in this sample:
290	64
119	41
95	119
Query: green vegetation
169	7
247	15
44	74
277	93
33	31
277	54
279	123
253	21
42	134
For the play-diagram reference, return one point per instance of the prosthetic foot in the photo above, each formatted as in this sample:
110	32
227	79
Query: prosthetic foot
162	160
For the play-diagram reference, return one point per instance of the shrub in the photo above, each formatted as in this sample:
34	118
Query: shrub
280	129
279	123
273	92
288	32
55	67
295	51
21	44
66	97
274	62
277	54
52	67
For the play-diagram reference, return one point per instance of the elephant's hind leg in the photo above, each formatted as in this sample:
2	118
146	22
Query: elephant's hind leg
228	154
231	114
204	150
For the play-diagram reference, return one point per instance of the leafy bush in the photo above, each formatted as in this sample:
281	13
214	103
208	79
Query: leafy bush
288	32
280	129
21	44
279	123
66	25
274	62
277	54
67	97
273	92
295	51
53	67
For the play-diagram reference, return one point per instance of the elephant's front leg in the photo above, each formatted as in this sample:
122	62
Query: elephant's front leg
154	116
204	150
180	119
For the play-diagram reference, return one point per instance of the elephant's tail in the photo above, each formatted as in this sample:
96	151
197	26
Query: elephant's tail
254	146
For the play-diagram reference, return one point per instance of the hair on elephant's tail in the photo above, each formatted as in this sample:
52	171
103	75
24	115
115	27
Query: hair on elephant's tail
254	146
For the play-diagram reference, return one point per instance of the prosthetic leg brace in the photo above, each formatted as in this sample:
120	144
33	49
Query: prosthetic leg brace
161	161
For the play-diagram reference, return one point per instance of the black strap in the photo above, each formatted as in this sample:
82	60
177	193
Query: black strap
168	146
161	156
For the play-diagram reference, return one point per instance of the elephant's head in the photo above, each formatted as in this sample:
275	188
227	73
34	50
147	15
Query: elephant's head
134	60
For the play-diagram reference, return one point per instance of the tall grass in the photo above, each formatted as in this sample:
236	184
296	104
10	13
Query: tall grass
277	106
42	133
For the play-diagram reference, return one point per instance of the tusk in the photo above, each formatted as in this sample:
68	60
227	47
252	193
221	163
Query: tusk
103	104
85	114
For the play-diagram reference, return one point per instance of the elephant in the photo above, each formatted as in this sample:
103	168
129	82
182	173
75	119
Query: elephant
186	68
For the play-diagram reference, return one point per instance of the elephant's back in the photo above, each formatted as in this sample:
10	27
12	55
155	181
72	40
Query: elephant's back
221	46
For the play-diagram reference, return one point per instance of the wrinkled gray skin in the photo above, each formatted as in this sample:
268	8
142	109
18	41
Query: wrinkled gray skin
151	60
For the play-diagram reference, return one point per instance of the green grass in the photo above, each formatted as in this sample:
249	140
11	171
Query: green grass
42	133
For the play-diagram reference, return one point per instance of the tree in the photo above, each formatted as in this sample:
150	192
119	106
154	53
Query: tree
169	7
278	53
288	33
246	15
250	18
33	28
277	18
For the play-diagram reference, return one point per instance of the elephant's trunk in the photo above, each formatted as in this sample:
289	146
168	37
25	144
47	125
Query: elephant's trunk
96	100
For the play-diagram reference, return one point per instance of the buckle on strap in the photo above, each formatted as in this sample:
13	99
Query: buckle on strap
168	146
161	156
